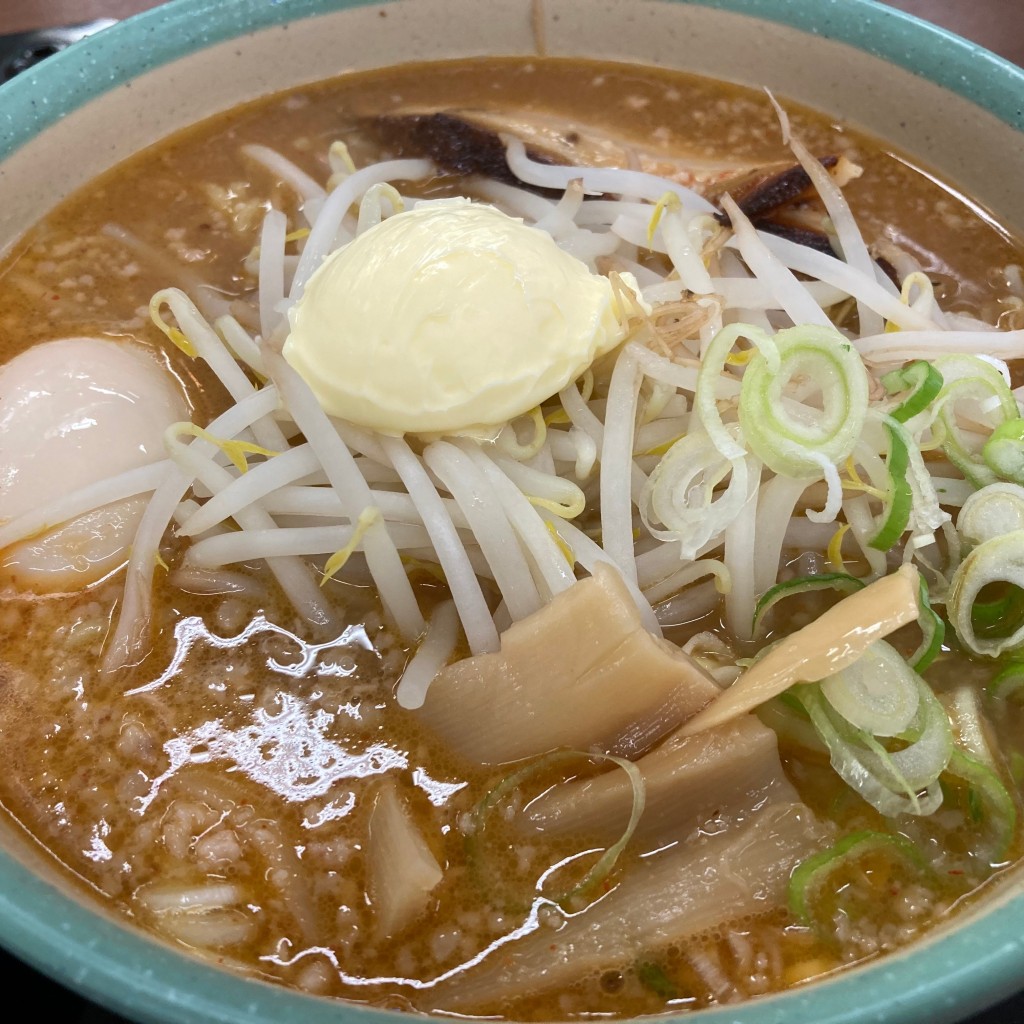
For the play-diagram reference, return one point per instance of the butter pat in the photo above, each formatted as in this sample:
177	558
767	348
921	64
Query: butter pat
448	318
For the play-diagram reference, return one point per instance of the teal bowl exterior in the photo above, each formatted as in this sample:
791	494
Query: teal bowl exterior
939	980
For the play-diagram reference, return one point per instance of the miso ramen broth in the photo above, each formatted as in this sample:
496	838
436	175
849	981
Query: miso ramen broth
239	776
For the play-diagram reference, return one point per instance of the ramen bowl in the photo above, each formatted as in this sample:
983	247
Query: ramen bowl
942	101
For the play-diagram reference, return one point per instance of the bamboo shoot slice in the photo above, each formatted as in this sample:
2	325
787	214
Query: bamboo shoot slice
830	643
580	673
403	871
730	770
664	899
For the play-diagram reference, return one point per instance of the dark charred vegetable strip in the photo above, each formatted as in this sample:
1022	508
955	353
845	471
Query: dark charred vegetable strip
770	193
455	145
816	240
763	203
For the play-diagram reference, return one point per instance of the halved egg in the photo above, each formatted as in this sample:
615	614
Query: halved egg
72	412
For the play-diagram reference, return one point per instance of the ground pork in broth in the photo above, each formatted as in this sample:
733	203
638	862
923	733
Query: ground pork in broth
220	794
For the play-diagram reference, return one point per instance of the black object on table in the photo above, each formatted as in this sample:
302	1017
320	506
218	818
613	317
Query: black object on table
26	49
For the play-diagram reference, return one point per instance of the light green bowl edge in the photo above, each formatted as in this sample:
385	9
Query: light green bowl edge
940	981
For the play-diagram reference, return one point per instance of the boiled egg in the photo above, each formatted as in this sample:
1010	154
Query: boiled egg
73	412
450	317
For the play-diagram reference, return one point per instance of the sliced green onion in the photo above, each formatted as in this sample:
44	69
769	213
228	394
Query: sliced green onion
963	703
926	512
652	976
1009	683
1017	767
929	746
971	383
999	560
810	875
991	512
840	582
891	781
680	493
787	718
1003	452
899	499
933	631
792	702
988	801
793	439
604	865
877	693
834	640
607	861
922	380
998	617
712	367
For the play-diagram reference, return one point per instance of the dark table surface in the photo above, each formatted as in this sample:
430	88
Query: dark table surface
996	24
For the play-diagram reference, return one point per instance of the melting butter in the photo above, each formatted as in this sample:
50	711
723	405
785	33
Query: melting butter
448	318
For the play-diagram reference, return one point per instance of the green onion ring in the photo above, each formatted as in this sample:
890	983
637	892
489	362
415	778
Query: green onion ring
811	873
1003	452
877	693
790	438
1009	683
998	560
995	807
841	582
712	367
933	631
899	500
968	377
604	865
890	781
680	493
922	380
990	512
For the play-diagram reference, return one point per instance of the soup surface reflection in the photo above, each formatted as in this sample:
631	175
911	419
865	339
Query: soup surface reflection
250	787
